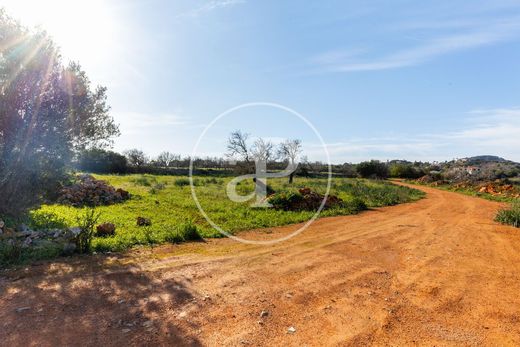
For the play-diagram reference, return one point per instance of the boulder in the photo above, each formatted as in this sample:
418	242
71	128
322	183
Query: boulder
142	221
105	229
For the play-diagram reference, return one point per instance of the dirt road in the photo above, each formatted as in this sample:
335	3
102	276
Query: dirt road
434	273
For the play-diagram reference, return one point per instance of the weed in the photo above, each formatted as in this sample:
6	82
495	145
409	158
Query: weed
86	223
510	216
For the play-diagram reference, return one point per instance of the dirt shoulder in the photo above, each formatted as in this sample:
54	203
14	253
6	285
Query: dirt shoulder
435	272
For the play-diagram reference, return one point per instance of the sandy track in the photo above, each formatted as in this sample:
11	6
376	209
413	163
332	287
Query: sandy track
436	272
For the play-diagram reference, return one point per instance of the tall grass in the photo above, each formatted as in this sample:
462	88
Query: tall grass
510	215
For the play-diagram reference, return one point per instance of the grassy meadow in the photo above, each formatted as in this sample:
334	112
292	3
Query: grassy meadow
167	202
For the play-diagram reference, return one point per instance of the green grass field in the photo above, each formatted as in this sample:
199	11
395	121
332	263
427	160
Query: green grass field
167	201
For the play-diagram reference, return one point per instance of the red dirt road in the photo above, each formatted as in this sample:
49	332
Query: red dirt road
436	272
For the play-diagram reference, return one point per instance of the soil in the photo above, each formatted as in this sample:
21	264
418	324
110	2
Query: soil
438	272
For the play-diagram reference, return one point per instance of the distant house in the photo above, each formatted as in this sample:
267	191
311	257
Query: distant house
472	170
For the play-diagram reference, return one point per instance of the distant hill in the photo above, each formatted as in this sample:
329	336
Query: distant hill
486	158
480	168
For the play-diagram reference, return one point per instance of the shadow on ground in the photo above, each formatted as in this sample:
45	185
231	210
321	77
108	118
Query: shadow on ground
80	301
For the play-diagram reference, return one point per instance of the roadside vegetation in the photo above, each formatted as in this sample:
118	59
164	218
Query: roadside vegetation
510	216
167	202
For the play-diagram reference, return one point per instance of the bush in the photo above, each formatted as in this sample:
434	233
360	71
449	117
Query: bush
182	182
285	200
355	205
189	231
10	252
372	169
86	223
101	161
186	231
144	181
405	171
510	216
13	252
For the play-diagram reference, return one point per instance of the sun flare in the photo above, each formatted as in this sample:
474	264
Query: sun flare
84	30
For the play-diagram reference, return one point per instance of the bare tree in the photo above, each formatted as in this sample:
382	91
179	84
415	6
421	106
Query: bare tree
136	157
262	150
290	150
237	146
166	158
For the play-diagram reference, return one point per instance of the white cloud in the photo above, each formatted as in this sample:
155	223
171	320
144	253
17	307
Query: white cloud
210	6
134	122
479	34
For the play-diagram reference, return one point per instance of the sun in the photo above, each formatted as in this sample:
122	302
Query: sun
84	30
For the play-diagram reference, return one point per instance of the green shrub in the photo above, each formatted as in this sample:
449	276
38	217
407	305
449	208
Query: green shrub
144	181
181	182
405	171
510	216
372	169
189	231
86	223
10	252
41	220
102	161
285	200
355	205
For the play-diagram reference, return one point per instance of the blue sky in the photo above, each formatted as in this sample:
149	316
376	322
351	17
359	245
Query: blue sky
379	79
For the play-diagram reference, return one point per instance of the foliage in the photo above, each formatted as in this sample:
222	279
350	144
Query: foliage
401	170
86	223
136	157
97	160
13	252
372	169
284	200
181	182
47	113
171	207
41	220
510	215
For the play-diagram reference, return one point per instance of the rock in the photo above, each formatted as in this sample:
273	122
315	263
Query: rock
89	191
147	324
69	248
126	330
264	314
9	232
27	242
75	231
21	309
182	314
105	229
22	228
141	221
2	224
291	330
